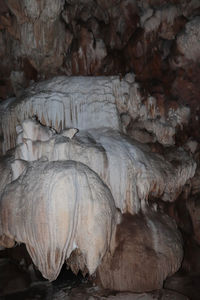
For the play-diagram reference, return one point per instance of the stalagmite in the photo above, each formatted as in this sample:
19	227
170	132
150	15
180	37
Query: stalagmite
145	250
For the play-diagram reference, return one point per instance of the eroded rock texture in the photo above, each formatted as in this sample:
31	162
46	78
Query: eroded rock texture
94	102
62	210
130	170
157	40
104	146
55	208
144	245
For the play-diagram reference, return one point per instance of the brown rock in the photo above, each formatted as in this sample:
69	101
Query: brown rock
191	260
3	7
190	36
195	182
144	245
6	89
184	284
159	295
193	206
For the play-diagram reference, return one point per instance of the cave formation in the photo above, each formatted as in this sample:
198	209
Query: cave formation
99	148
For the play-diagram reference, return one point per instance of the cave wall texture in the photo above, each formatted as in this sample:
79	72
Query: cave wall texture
124	76
158	40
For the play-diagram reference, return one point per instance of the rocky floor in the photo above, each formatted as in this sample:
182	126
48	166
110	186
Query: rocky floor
18	283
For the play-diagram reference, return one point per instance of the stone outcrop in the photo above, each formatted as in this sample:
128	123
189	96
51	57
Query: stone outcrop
132	118
47	211
93	102
69	161
143	245
129	169
151	38
70	186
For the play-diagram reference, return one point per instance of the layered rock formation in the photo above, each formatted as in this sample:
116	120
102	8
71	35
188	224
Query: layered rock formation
93	102
61	207
56	208
66	192
150	38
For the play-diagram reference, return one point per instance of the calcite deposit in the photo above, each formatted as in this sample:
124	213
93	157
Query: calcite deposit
143	245
130	170
92	102
55	208
157	40
76	189
99	140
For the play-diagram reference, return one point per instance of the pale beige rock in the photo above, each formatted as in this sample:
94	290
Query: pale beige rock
91	102
73	102
17	166
55	208
73	200
6	173
128	168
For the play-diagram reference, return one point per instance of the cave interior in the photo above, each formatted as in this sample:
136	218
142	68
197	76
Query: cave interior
100	149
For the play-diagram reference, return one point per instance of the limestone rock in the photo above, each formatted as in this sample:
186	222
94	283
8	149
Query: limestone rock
193	206
76	185
6	173
141	135
96	293
184	284
55	208
39	40
35	38
143	245
157	295
128	168
70	133
91	102
73	102
190	36
195	182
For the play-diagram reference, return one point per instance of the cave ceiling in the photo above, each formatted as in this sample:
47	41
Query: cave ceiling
157	40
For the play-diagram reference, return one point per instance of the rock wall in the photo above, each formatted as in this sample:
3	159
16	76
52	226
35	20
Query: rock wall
94	102
80	135
65	195
136	127
41	39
